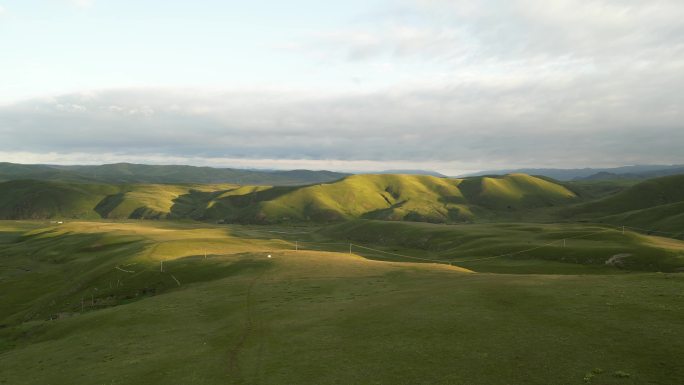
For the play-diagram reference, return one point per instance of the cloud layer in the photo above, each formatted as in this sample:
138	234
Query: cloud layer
466	123
473	85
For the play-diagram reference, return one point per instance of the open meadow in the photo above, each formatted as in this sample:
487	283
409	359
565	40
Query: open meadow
374	192
163	302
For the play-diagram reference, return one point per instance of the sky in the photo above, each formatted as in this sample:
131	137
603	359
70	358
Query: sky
446	85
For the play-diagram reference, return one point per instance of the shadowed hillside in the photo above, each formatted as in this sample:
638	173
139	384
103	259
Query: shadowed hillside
656	204
29	199
389	197
394	197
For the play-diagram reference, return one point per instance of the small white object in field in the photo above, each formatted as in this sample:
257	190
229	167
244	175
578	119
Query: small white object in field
60	222
269	255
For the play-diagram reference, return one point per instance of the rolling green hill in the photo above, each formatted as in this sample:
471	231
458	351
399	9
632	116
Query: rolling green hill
29	199
596	189
372	297
142	173
516	247
656	204
157	201
394	197
87	303
389	197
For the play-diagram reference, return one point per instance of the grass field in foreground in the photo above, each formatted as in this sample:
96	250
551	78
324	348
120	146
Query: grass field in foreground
311	317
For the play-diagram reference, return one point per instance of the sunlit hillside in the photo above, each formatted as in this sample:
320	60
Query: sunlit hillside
390	197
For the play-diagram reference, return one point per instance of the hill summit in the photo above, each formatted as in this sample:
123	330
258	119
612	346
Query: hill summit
389	197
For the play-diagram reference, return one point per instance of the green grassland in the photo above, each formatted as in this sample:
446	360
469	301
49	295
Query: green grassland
656	205
121	173
31	199
387	197
595	189
89	303
526	248
372	279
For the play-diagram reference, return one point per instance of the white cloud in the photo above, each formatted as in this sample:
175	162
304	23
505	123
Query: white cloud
582	122
490	35
479	84
82	3
450	168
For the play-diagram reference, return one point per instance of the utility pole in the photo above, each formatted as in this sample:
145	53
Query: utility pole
350	245
296	245
623	230
563	242
161	266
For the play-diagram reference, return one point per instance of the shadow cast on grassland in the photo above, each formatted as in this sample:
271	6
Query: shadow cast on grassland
44	272
216	205
49	275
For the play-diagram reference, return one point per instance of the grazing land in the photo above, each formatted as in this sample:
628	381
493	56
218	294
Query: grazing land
388	197
655	205
162	302
408	192
378	279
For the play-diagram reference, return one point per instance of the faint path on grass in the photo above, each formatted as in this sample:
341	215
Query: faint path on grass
248	330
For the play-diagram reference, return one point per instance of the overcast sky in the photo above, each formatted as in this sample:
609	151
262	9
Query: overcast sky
448	85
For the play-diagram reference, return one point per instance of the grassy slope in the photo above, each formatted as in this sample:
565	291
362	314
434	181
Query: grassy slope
30	199
397	197
656	204
34	199
158	201
393	197
141	201
151	174
586	250
311	317
596	189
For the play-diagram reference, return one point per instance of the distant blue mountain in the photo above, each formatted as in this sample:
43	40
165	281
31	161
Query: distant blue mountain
410	172
632	172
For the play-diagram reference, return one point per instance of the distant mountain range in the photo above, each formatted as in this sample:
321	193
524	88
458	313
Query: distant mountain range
408	172
625	172
142	173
